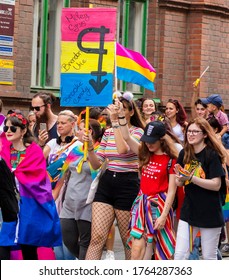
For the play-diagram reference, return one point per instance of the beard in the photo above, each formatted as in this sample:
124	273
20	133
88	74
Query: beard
43	117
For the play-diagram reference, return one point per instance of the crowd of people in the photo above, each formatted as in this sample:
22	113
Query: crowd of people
162	179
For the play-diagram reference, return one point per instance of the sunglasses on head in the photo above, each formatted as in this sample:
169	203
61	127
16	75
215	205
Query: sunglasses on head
12	128
37	108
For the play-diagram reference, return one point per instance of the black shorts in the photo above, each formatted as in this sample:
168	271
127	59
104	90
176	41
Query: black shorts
118	189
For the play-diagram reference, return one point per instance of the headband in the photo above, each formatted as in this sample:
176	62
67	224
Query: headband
20	117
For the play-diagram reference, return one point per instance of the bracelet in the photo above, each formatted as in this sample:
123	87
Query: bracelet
190	178
115	126
120	118
123	124
90	150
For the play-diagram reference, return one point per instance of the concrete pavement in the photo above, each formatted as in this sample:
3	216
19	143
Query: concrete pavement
119	251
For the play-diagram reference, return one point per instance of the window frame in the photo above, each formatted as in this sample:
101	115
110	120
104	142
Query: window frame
42	71
125	36
125	5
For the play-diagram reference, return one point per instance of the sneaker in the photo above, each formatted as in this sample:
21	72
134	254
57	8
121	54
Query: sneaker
225	250
109	255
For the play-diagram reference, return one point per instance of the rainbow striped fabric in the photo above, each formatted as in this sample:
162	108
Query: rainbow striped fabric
77	155
226	208
133	67
143	224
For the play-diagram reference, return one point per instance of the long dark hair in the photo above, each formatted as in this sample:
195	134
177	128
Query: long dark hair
18	119
136	118
214	123
181	115
97	130
167	146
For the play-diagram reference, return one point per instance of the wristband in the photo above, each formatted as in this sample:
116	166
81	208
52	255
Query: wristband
90	150
115	126
190	178
123	124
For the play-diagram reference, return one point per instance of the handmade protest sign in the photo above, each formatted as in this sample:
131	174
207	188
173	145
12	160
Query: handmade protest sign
87	56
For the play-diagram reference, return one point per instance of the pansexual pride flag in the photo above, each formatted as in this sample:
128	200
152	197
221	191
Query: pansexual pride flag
87	56
133	67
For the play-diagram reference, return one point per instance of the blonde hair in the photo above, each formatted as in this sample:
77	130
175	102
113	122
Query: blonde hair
68	113
31	113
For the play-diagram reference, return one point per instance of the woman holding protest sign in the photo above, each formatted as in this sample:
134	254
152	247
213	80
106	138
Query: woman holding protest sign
119	185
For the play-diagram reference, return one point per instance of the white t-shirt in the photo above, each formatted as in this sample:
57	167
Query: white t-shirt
177	130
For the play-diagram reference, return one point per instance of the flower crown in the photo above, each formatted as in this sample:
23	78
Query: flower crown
20	117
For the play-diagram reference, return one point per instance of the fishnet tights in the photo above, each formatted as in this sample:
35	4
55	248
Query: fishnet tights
123	219
103	216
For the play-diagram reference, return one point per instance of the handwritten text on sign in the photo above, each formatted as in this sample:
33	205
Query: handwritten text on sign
87	59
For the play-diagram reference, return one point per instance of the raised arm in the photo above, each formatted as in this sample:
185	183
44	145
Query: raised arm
132	143
121	144
194	98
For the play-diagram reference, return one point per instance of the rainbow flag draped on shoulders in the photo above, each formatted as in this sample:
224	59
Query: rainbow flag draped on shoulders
77	155
38	222
134	68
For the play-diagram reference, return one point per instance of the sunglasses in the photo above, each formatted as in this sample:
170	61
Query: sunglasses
37	108
12	128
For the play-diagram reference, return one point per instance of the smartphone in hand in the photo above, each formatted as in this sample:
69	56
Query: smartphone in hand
43	126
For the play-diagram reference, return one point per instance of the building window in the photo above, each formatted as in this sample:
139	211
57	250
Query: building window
132	31
45	72
46	43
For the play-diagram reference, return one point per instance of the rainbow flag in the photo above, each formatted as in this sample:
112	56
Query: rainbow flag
134	68
77	155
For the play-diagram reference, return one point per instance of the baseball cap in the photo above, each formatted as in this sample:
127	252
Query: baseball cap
214	99
153	132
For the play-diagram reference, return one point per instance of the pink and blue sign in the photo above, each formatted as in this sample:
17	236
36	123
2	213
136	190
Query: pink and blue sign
87	56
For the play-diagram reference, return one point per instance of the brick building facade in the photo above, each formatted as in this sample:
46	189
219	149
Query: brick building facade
183	38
